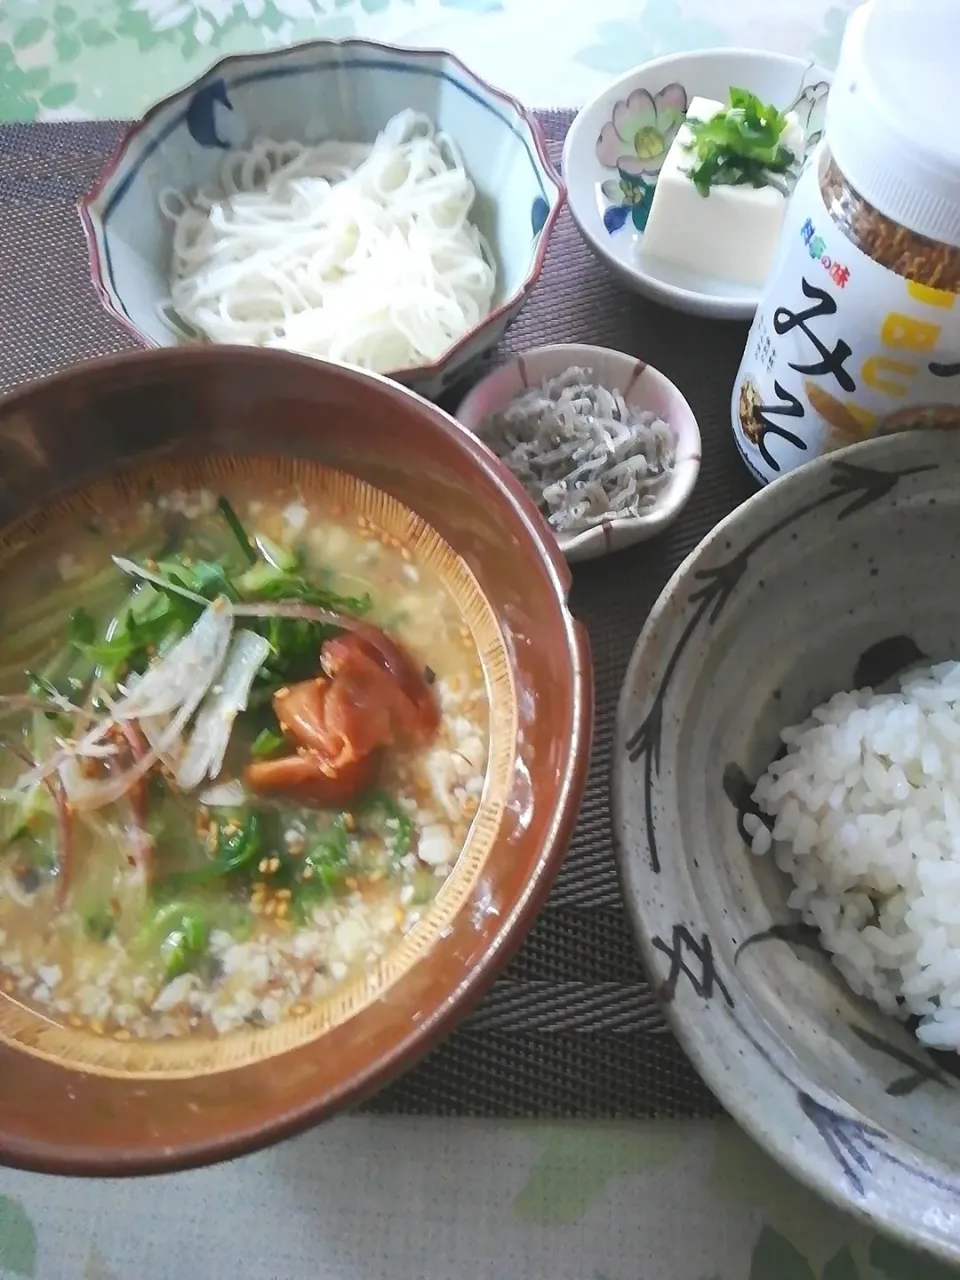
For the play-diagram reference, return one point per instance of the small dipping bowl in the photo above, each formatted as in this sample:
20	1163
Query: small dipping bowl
643	388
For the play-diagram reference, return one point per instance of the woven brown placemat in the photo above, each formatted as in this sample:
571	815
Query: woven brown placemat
572	1028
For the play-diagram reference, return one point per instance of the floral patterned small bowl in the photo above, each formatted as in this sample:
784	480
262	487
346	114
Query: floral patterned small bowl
618	142
643	388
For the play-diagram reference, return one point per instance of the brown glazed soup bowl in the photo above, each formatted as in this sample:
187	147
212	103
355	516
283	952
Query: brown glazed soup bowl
72	1105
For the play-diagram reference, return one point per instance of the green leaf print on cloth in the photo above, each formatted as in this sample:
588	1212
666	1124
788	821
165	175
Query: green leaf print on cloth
661	27
60	37
73	33
578	1160
114	58
744	1176
18	1240
895	1262
96	1268
36	50
195	25
473	6
25	92
841	1267
775	1258
826	47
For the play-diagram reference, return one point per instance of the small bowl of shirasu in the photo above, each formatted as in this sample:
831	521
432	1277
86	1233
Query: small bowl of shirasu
605	445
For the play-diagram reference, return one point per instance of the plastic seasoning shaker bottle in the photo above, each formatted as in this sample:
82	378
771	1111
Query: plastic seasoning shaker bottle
858	331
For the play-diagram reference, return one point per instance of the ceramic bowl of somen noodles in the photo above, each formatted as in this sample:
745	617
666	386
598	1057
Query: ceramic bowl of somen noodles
382	207
294	724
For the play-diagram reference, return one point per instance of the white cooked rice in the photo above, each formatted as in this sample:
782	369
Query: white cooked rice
866	804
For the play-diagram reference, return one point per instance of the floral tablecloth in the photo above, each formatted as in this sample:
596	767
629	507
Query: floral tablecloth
71	59
412	1199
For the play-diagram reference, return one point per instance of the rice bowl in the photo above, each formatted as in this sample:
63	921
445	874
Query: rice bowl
831	579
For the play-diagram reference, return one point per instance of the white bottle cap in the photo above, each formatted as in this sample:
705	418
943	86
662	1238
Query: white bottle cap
893	109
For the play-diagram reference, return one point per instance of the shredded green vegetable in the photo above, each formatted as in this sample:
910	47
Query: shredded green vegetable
741	146
266	744
180	932
237	529
153	618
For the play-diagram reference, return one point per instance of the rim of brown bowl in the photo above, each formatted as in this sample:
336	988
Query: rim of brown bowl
112	1158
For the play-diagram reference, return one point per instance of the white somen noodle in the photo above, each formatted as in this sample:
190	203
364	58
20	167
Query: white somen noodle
364	254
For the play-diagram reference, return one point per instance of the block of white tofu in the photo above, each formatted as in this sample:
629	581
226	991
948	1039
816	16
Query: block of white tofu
730	234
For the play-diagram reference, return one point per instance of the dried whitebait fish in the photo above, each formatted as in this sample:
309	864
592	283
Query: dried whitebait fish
581	452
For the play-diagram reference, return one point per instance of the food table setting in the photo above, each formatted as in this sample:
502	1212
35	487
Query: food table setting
558	1129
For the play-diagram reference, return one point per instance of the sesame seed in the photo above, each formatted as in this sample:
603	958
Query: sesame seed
349	822
307	873
282	909
282	693
299	1009
351	882
271	906
284	895
274	865
263	866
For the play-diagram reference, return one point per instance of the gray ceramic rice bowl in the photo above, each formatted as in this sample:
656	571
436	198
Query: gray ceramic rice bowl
839	575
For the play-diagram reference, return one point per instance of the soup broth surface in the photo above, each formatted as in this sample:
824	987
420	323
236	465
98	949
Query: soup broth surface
170	912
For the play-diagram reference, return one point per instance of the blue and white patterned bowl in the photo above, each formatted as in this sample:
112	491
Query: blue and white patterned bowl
617	144
326	88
